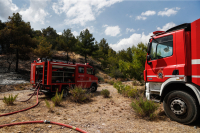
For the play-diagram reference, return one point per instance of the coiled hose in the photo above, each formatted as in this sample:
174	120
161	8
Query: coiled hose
31	122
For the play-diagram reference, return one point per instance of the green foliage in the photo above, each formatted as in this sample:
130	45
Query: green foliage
15	38
2	25
126	55
50	34
127	90
144	107
105	93
100	78
137	66
43	48
66	41
115	73
133	92
57	99
9	100
79	95
111	82
85	44
48	106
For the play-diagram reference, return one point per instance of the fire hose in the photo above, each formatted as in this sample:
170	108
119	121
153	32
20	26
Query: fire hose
31	122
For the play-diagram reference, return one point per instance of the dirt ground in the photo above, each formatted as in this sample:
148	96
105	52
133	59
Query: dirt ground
101	115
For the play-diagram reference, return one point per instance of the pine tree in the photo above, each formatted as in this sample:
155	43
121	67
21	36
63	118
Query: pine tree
16	35
85	45
43	48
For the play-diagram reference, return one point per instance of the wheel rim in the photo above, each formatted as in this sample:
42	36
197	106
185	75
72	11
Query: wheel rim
92	88
178	107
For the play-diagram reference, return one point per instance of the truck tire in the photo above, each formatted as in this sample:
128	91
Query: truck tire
48	94
181	107
93	88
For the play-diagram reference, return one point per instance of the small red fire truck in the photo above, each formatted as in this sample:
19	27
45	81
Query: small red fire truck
172	71
60	75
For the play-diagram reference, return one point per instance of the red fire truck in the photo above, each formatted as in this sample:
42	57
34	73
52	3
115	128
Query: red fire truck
172	71
60	75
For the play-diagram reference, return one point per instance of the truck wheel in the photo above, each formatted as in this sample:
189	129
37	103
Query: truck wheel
48	94
93	88
181	107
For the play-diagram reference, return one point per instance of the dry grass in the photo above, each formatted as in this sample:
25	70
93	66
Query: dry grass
21	86
113	115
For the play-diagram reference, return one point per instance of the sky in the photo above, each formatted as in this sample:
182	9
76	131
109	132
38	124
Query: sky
123	23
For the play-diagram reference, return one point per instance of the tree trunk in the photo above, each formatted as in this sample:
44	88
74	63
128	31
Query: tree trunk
85	58
67	57
17	58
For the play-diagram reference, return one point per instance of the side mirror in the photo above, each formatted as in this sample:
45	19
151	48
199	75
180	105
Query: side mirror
148	47
148	59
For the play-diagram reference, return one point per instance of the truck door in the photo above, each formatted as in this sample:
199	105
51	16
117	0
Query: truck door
81	78
89	77
163	59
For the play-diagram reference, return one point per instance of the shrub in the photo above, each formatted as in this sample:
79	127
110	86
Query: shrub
100	78
127	90
117	85
10	100
134	93
105	93
57	99
79	95
134	83
144	107
111	82
48	106
115	73
106	81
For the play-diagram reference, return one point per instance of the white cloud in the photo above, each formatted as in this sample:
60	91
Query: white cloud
112	30
105	25
148	13
7	8
75	33
169	12
80	12
59	33
91	29
129	30
143	14
166	26
35	13
141	18
134	39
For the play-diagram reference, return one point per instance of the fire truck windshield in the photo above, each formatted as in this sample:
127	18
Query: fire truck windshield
160	49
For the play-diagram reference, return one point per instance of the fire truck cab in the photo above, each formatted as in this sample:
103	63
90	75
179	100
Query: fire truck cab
60	75
172	71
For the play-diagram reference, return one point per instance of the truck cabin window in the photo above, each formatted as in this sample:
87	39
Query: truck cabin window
90	71
81	69
162	47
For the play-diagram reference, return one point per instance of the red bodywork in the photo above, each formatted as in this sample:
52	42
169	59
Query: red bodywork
185	57
55	75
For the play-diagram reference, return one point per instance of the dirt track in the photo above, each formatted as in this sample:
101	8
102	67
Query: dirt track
112	115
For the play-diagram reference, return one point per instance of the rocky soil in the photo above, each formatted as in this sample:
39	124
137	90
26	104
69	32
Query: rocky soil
101	115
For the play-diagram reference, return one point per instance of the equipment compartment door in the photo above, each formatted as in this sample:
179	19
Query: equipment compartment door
163	59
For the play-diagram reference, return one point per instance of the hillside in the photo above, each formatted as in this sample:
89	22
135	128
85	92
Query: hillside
23	76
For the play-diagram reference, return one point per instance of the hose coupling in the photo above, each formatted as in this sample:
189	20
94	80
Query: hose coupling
46	121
